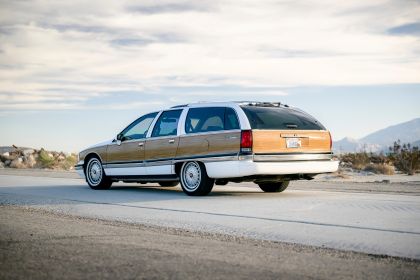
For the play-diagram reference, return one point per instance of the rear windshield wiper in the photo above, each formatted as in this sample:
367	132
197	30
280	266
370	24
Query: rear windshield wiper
291	125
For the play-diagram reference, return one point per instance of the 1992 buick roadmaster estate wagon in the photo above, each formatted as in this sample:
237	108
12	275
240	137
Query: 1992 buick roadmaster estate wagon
199	145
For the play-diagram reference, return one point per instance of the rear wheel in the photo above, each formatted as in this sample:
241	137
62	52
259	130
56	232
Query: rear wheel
95	175
168	184
274	187
194	179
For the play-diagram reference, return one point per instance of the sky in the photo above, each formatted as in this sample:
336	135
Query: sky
73	73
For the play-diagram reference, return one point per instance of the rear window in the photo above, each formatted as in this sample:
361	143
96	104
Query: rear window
280	118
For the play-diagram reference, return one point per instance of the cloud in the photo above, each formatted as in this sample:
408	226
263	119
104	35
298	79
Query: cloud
218	49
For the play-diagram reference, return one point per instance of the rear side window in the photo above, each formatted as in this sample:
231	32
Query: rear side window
210	119
280	118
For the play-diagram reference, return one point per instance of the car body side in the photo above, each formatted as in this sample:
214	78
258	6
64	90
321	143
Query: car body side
158	158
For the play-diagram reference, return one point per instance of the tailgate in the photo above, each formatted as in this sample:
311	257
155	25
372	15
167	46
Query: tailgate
290	141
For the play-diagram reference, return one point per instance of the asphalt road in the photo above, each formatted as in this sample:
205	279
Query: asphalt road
38	244
382	224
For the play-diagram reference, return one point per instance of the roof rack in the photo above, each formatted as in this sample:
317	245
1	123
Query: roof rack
262	104
180	106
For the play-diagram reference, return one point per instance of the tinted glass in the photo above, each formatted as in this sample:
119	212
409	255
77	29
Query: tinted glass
210	119
280	118
138	129
205	119
231	120
167	123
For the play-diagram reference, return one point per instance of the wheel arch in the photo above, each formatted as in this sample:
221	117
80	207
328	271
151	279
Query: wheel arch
178	165
88	157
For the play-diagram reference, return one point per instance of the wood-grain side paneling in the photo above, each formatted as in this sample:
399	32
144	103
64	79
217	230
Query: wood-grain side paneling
161	148
209	143
274	141
126	151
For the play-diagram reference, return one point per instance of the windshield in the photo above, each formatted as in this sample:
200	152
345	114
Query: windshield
280	118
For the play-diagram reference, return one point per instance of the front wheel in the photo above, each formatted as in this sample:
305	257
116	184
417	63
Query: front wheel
274	187
95	175
194	179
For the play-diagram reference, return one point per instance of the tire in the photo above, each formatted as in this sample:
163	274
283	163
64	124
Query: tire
274	187
95	175
168	184
194	179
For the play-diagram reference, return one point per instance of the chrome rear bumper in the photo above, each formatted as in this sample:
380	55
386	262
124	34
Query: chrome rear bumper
291	157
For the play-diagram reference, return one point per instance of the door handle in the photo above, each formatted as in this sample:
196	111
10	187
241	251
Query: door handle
141	144
171	141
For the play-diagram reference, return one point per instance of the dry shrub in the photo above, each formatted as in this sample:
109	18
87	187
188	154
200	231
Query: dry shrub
405	157
45	160
380	168
357	161
69	162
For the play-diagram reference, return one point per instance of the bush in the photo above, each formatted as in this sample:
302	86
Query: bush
357	161
45	160
405	157
381	168
69	162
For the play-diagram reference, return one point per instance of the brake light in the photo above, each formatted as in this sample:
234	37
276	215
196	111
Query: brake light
330	140
246	141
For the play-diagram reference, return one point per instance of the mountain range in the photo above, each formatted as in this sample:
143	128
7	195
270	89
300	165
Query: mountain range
407	132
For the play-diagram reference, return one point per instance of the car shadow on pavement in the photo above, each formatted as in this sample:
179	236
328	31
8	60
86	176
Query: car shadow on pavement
156	189
118	194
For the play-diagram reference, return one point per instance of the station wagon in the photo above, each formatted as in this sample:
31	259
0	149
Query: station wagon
205	144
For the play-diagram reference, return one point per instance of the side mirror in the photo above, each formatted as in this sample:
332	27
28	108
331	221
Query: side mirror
118	139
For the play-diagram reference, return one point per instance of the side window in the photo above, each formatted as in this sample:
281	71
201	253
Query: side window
231	120
205	119
138	129
167	124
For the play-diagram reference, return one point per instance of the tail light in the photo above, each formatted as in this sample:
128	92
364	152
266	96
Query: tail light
246	141
330	140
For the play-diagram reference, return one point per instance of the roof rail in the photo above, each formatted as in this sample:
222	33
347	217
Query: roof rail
262	104
180	106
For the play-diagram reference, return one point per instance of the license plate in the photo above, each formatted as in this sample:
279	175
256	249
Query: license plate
293	143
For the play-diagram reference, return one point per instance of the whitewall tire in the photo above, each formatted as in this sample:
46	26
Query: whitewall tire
95	175
194	179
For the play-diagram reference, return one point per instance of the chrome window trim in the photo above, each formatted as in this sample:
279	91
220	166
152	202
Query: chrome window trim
161	138
211	132
129	141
